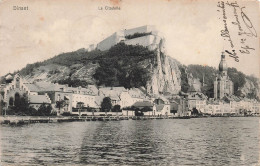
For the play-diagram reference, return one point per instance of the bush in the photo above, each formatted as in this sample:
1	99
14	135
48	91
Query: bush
73	83
116	108
120	66
136	35
44	110
66	114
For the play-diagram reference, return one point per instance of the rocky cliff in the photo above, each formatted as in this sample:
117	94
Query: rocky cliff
164	73
166	76
250	89
140	60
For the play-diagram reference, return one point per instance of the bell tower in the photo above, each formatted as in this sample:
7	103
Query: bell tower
223	86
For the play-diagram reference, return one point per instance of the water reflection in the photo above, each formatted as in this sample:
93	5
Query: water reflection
210	141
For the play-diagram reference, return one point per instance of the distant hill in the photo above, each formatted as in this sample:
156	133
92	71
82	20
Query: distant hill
245	86
133	66
122	65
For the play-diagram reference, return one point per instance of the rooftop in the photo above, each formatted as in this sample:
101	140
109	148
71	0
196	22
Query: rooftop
38	99
143	104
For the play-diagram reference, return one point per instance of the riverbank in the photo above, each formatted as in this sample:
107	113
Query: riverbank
22	120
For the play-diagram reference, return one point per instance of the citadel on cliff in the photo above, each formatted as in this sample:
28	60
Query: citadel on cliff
151	100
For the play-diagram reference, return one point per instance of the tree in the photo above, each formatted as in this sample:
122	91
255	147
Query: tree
2	107
90	109
44	110
106	104
17	102
238	79
121	66
184	79
48	109
195	111
80	105
24	105
20	105
60	104
116	108
138	77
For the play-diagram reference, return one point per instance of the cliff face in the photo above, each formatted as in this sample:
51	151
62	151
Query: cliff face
250	89
164	71
55	72
166	76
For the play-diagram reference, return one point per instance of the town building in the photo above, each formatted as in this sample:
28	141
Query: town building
37	100
223	86
63	98
179	106
196	99
161	107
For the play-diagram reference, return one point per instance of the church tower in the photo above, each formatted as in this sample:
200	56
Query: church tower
223	86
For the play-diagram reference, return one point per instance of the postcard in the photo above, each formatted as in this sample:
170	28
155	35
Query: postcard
128	82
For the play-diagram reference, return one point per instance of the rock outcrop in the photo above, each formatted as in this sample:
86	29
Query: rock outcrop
166	73
250	88
166	76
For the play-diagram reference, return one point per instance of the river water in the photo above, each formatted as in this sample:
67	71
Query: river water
200	141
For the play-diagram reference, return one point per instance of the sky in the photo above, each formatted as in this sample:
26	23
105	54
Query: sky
192	29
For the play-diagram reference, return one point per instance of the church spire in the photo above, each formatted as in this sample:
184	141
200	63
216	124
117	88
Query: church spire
223	65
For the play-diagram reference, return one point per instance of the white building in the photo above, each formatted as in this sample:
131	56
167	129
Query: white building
197	100
122	36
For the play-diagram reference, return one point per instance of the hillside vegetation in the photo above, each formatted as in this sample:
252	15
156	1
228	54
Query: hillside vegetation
237	77
121	65
125	65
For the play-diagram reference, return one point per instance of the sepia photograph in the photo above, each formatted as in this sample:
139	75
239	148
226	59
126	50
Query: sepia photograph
129	82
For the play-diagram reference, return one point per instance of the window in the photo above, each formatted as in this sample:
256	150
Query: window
17	82
11	101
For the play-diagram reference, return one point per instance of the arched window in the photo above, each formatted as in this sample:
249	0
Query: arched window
17	99
17	96
17	82
11	101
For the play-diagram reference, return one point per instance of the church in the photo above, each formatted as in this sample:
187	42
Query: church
223	86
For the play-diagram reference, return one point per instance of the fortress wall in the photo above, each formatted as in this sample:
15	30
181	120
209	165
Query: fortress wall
143	29
111	41
143	41
120	35
107	43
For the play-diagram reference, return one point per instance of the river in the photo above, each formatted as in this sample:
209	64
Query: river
198	141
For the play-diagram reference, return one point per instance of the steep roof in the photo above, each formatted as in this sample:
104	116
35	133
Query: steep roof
113	93
197	96
136	93
159	107
48	86
93	88
38	99
9	77
33	87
